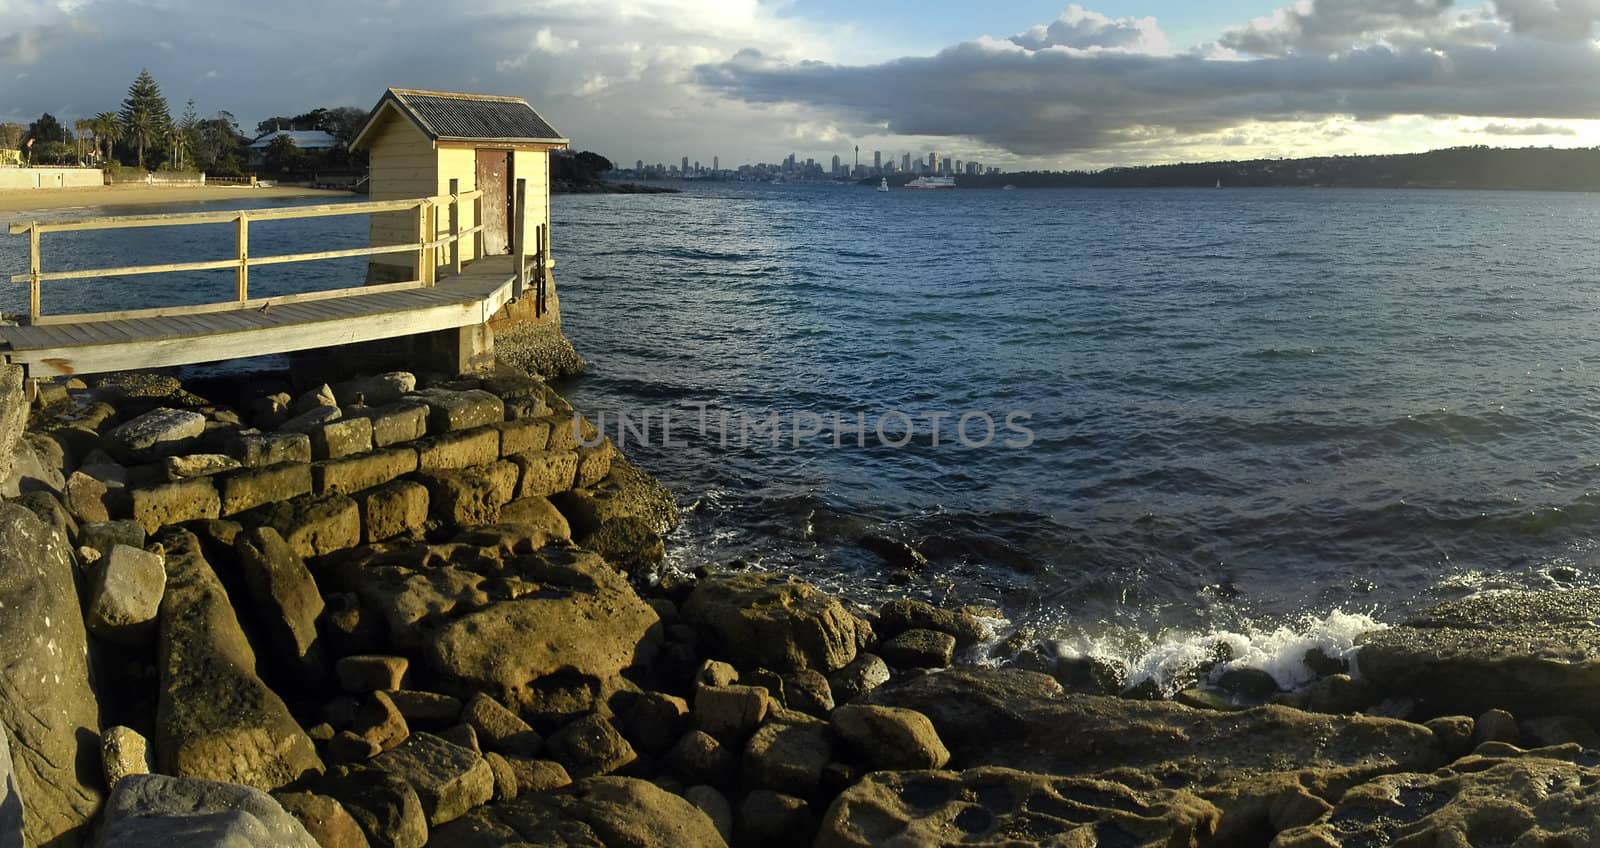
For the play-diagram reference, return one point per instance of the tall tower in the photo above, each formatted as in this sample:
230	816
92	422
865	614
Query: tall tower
685	165
877	160
857	165
716	164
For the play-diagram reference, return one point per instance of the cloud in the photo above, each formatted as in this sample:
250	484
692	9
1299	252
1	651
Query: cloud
1528	129
1564	19
1410	58
1080	29
1326	26
612	74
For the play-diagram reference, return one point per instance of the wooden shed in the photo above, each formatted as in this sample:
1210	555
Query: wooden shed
419	141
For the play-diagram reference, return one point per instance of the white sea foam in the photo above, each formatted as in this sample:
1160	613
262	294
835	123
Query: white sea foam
1173	659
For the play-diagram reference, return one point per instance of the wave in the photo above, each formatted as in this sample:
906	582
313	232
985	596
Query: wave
1177	660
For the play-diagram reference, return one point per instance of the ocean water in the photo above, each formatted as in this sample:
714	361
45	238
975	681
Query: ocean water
1268	418
1274	418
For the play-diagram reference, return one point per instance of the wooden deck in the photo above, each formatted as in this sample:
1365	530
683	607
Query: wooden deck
266	326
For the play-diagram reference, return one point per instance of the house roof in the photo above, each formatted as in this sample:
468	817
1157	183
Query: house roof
454	116
303	139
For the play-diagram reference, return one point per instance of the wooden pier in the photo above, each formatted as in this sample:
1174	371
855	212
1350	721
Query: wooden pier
449	294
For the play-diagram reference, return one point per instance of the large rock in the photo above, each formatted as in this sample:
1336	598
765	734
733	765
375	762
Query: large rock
449	411
1532	653
601	812
11	832
154	809
1539	798
1267	768
325	819
448	778
890	737
626	492
125	589
157	433
285	599
384	805
762	620
45	701
498	627
998	806
13	414
215	719
377	389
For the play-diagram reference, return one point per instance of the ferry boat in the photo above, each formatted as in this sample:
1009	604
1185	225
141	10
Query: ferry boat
925	183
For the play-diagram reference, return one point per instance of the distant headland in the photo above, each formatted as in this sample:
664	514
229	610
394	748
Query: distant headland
1537	168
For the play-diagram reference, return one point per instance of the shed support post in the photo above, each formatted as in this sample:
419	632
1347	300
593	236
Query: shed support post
519	237
455	227
538	271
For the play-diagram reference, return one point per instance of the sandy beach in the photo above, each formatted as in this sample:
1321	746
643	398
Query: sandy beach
20	200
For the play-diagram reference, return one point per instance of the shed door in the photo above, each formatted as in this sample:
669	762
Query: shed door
494	180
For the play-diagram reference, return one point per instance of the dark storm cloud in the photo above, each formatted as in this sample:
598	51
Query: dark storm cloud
1052	101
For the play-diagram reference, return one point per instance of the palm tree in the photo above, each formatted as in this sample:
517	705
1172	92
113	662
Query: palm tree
108	129
180	147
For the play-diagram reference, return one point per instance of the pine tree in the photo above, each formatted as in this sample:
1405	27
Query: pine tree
144	115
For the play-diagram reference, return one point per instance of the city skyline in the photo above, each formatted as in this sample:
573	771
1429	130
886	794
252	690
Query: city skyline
793	166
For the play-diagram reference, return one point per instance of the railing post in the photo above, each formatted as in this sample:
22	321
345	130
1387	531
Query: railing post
538	270
422	242
519	234
33	271
242	243
455	227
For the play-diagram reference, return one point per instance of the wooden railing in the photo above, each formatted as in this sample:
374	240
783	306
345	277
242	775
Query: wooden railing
427	248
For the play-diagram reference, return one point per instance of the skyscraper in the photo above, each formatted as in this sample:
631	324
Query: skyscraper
639	166
835	164
877	160
933	161
905	162
685	164
715	164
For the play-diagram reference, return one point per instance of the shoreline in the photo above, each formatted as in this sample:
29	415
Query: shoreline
445	602
47	200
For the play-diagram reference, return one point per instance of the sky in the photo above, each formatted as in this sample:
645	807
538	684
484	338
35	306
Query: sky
1018	84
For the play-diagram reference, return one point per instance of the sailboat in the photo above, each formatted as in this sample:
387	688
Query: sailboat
883	184
1219	183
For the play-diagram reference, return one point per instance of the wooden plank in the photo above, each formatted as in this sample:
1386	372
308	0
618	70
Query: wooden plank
183	219
158	353
133	270
161	311
284	258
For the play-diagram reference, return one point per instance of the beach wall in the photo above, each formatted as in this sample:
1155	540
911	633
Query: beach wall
13	178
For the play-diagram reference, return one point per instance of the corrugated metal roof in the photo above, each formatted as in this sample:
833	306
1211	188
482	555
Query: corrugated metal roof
445	115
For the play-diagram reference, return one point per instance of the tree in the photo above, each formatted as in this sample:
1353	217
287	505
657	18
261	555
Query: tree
47	129
107	130
218	151
344	122
284	157
185	136
145	117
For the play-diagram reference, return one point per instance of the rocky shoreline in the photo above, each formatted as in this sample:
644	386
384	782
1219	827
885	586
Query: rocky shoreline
406	610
